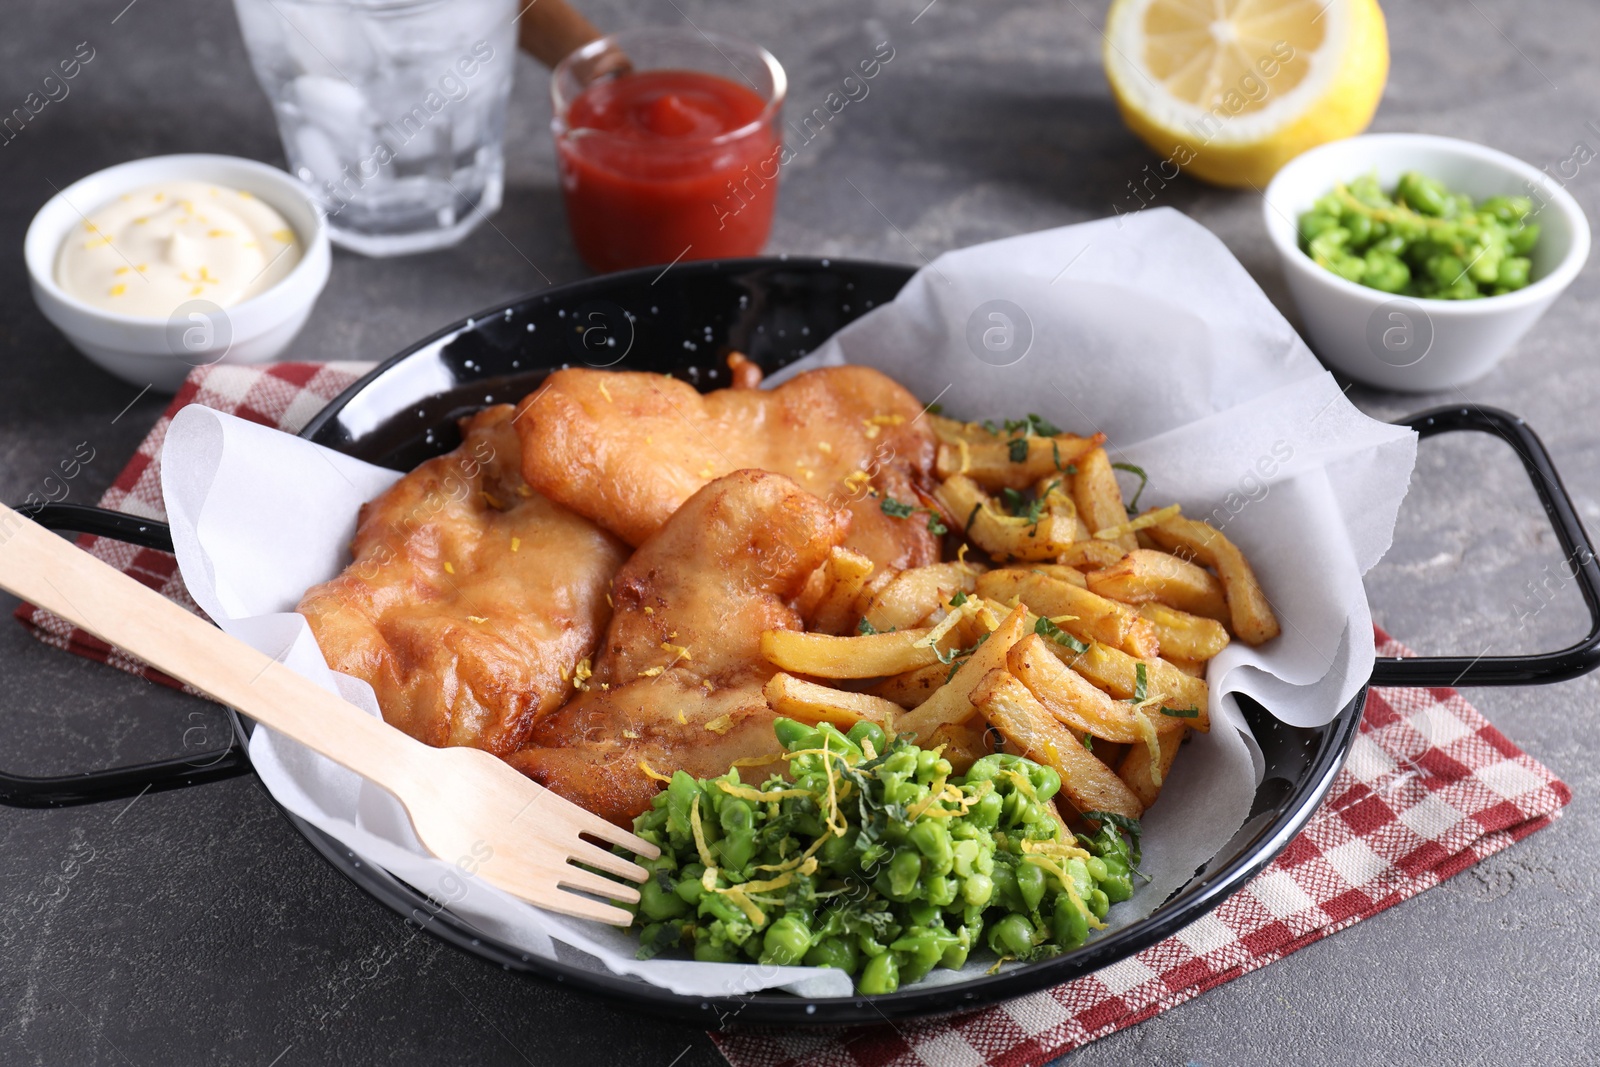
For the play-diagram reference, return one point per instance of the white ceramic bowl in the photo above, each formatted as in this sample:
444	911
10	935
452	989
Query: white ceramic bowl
1417	345
158	352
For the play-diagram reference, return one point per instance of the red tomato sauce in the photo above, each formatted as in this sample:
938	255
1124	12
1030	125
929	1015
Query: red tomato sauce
662	164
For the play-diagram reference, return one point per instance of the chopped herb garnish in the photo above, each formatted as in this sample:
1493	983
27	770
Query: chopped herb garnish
972	516
865	627
1019	505
1088	742
1070	468
1128	826
1055	453
899	509
959	599
1019	450
988	424
1045	628
1182	713
1141	682
1144	480
935	409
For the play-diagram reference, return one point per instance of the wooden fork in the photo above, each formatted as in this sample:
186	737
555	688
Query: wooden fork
463	803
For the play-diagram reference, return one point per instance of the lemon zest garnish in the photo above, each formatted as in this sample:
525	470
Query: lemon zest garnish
516	543
651	672
477	618
705	683
651	772
284	236
1143	522
678	651
648	610
524	490
935	794
493	501
721	724
449	568
605	392
857	481
758	796
699	832
118	289
823	446
582	672
631	734
948	623
682	719
757	761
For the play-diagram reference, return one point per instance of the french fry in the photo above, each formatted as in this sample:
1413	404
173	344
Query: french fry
1089	554
912	595
1185	636
1099	497
1193	667
1002	536
1069	697
866	656
951	702
964	743
1145	574
835	610
953	430
1088	784
812	703
1056	492
1135	770
1117	673
911	688
1012	463
1252	617
1090	617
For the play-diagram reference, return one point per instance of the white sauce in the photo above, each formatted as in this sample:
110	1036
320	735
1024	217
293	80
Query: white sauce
151	250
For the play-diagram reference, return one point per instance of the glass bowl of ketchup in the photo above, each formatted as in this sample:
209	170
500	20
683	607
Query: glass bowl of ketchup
669	146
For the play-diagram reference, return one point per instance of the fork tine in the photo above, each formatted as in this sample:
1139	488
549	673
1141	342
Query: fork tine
595	856
577	878
595	826
585	908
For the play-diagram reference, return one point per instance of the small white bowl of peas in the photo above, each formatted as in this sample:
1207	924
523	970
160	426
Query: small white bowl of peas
1416	262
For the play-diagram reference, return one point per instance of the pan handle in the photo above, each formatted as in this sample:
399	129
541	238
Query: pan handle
1578	563
59	791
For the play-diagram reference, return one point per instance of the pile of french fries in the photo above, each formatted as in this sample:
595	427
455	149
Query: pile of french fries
1081	641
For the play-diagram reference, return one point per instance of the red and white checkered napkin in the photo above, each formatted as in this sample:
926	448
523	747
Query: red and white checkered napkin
1430	789
284	395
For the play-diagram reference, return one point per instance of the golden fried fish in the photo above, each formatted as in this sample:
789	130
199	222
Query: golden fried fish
626	448
677	682
471	597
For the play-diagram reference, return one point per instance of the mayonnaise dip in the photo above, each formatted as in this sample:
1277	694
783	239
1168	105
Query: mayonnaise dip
153	249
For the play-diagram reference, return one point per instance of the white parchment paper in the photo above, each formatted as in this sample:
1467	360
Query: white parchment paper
1143	327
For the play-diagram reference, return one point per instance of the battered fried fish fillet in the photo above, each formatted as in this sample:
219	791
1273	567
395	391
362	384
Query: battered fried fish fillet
470	598
677	682
626	448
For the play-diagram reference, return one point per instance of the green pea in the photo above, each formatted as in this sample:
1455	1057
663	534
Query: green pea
660	904
1031	884
837	952
905	870
1384	271
1099	903
1424	194
942	890
1012	935
866	730
977	889
1513	272
786	942
932	840
1097	868
1313	223
880	975
711	950
1523	240
1358	226
1069	924
795	735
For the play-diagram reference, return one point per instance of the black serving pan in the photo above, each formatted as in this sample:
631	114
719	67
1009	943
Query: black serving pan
682	322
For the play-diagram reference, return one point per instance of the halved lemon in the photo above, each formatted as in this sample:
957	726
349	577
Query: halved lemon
1231	90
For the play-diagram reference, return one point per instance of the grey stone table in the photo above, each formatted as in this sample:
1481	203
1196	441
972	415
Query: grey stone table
197	927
